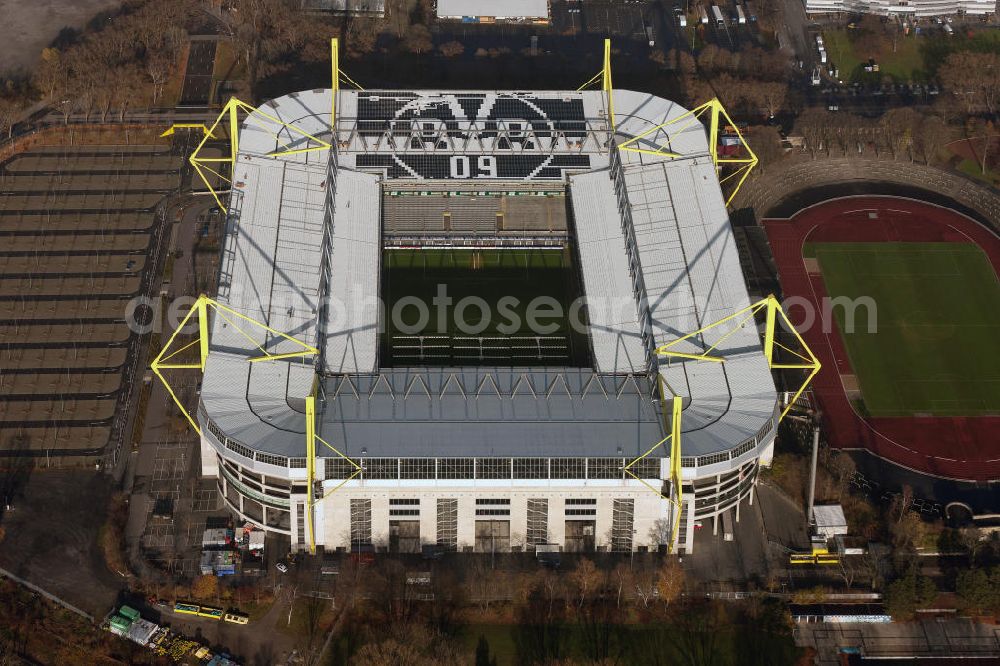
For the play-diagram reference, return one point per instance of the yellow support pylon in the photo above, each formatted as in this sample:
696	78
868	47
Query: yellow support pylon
604	76
311	439
715	111
202	306
676	496
336	74
310	469
230	113
772	312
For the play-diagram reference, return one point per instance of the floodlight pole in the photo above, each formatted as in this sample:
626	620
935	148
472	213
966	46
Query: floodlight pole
812	475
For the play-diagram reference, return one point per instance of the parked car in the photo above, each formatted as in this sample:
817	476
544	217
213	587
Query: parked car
280	566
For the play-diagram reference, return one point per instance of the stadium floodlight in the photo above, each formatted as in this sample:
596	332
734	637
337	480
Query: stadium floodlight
772	309
201	308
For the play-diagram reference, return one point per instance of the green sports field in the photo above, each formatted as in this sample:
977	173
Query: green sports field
507	283
936	349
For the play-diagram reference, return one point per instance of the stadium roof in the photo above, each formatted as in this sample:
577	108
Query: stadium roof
505	9
681	274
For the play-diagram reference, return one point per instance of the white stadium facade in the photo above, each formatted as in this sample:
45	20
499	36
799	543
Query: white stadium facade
481	443
903	8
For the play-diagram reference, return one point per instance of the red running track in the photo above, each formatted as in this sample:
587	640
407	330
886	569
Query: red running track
965	448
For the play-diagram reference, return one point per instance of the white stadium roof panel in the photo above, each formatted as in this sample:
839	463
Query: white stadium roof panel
611	306
679	250
352	328
505	9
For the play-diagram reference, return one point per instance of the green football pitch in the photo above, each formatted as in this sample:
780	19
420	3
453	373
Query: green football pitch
936	345
506	282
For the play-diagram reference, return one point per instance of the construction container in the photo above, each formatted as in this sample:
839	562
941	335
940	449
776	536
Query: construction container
129	612
119	625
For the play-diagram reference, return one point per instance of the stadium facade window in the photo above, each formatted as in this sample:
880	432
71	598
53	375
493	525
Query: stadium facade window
404	501
571	501
493	468
492	500
236	447
416	468
456	468
361	521
605	468
447	523
538	522
297	463
646	468
713	459
338	468
622	521
380	468
568	468
270	459
531	468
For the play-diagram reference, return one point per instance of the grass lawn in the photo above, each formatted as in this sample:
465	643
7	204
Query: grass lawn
630	644
904	65
226	68
937	310
974	169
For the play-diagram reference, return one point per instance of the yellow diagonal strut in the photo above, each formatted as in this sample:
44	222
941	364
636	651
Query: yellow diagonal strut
715	112
311	439
202	306
772	313
676	496
336	74
229	118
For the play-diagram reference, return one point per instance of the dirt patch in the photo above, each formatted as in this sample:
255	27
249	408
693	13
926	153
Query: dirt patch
31	26
51	537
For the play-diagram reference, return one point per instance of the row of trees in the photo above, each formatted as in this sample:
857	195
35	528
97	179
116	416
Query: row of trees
124	65
588	614
900	132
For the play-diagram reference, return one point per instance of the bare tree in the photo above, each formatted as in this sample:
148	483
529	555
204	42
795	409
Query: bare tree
418	39
585	578
9	112
452	49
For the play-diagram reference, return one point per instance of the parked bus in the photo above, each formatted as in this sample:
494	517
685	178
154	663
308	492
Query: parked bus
236	618
704	15
186	609
207	611
717	13
741	18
